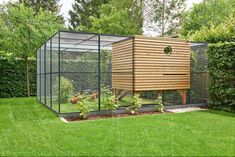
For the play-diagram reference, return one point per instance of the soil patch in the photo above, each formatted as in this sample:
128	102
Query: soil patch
93	117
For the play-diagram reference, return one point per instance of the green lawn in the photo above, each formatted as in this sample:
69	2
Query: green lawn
28	129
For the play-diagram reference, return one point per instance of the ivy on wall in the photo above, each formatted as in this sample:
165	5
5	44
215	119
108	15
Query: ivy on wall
12	82
222	74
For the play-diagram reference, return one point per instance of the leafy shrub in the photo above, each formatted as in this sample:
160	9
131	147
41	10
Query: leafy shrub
83	105
108	99
110	103
222	73
12	82
83	109
159	104
66	88
136	104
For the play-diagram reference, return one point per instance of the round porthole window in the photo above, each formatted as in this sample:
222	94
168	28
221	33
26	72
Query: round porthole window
168	50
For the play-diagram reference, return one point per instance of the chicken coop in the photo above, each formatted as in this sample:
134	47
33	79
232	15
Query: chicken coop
96	65
151	64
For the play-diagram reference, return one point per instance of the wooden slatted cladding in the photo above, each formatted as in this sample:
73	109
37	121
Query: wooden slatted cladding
122	69
153	69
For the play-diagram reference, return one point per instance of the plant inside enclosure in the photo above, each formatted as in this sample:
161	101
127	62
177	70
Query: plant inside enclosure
83	109
136	104
83	105
108	99
159	104
110	103
66	89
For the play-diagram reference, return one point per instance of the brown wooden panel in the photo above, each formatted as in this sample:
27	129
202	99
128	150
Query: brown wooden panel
122	60
153	69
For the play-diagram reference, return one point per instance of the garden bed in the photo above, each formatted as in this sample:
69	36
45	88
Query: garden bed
93	117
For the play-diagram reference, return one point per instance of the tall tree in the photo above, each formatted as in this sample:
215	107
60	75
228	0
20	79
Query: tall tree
206	14
164	16
23	32
82	10
223	32
49	5
123	17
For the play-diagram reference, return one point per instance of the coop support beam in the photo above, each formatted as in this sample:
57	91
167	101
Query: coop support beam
182	93
159	93
123	94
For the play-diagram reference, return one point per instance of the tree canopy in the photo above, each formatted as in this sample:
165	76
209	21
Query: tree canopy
223	32
48	5
22	32
82	10
164	16
123	17
206	14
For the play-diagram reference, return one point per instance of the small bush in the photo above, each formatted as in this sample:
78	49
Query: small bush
136	104
110	103
159	104
108	99
83	105
83	109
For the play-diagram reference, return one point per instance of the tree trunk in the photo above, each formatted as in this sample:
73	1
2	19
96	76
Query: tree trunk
27	77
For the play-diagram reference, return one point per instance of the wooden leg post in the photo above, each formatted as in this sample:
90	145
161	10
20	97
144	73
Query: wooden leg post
159	93
183	96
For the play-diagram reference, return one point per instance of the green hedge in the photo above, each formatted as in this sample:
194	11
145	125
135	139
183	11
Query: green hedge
12	82
222	75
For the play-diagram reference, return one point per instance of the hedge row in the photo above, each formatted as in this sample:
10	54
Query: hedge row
12	82
222	74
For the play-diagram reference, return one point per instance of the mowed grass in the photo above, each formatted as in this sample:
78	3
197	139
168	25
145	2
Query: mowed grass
29	129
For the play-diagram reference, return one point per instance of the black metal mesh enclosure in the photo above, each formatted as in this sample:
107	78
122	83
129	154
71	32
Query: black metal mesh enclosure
70	63
73	62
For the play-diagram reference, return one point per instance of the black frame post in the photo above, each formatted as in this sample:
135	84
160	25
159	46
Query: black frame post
50	73
59	69
40	98
45	94
99	66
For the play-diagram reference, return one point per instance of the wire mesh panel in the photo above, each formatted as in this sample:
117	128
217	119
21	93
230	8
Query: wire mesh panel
38	75
47	74
78	70
172	97
199	73
55	72
42	87
106	73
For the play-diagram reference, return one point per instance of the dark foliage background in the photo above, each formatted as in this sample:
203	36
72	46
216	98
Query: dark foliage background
12	82
222	74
